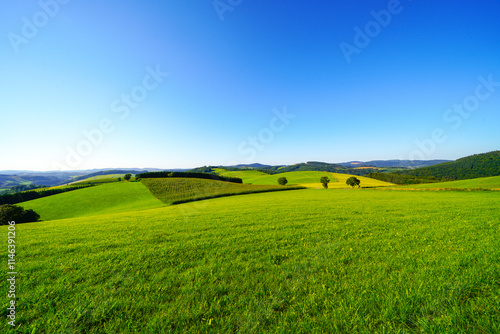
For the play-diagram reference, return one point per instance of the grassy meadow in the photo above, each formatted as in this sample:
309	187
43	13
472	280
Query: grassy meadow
181	190
491	183
304	261
305	179
97	200
107	177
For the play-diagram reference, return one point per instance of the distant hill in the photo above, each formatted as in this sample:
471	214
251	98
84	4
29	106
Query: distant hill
473	166
107	172
351	167
310	166
9	181
394	163
13	178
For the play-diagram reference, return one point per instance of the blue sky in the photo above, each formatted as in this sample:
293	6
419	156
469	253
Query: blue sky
177	84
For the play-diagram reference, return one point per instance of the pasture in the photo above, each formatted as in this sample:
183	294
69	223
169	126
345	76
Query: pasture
491	183
102	199
181	190
305	179
338	261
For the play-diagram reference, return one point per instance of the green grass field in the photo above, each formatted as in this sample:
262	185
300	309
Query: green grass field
306	261
306	179
181	190
100	177
492	182
102	199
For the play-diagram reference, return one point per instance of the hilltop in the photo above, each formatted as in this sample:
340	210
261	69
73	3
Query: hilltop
470	167
353	167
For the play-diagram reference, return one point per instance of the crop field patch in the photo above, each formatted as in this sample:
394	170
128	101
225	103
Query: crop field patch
181	190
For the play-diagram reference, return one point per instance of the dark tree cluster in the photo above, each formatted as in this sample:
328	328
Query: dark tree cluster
34	194
402	178
166	174
473	166
21	187
10	212
282	181
353	181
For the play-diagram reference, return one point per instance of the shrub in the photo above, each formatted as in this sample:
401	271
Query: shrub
11	212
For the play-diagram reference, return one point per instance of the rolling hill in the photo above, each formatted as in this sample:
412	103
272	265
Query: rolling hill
103	199
473	166
394	163
181	190
308	179
304	261
492	183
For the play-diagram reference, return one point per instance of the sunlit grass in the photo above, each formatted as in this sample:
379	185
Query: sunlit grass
310	179
331	261
182	190
105	198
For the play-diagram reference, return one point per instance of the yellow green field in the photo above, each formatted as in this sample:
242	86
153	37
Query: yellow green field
102	179
492	183
302	261
97	200
306	179
181	190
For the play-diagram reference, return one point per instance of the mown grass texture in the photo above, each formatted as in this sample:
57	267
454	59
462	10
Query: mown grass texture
307	261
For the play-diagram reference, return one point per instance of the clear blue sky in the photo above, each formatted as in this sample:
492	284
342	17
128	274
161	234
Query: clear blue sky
356	80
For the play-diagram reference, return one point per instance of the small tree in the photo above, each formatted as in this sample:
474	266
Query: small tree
127	177
324	181
353	181
283	181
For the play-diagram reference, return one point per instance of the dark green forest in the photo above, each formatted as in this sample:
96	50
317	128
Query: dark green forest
471	167
188	175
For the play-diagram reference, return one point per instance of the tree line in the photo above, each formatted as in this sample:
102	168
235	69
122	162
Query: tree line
401	179
34	194
167	174
473	166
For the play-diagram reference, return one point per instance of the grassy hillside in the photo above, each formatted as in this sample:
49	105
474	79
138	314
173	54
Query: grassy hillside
307	179
181	190
474	166
492	182
296	261
102	177
106	198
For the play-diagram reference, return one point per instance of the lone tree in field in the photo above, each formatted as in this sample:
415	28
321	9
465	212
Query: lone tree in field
353	181
127	177
283	181
324	181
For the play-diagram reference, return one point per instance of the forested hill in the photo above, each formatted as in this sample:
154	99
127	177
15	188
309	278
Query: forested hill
477	165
